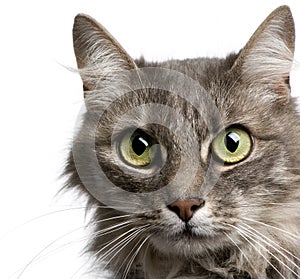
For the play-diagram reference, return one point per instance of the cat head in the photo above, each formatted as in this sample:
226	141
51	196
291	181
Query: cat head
190	166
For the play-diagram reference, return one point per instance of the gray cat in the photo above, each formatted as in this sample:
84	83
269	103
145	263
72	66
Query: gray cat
191	168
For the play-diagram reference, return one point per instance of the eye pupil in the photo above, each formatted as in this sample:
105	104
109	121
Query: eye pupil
139	145
232	141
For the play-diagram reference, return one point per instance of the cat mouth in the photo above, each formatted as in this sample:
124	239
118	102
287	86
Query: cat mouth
189	240
190	232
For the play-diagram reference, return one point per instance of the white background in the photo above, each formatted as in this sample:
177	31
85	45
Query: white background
40	100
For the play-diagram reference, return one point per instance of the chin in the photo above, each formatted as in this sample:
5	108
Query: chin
189	243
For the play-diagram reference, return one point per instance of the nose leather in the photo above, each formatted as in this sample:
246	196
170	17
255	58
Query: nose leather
185	209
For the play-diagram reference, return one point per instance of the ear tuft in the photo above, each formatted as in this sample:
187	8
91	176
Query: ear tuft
99	56
268	56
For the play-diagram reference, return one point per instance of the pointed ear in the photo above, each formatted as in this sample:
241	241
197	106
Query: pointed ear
268	56
99	56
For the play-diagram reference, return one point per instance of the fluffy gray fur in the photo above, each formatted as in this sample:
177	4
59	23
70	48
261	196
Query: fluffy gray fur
250	224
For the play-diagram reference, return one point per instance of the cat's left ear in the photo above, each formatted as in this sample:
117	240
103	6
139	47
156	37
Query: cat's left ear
99	56
267	58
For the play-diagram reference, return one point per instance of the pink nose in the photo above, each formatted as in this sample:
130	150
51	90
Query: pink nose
186	209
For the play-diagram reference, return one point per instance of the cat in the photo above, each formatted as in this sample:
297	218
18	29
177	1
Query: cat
191	168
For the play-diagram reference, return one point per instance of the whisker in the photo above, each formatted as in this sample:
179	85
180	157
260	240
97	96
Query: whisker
272	242
244	236
134	256
131	231
109	230
274	256
111	218
270	226
42	250
77	270
100	233
40	255
148	228
86	238
110	242
242	252
38	218
268	205
124	242
45	215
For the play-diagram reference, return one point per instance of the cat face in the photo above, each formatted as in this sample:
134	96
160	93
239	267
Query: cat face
190	166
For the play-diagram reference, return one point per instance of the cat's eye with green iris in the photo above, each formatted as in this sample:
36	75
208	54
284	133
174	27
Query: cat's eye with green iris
138	148
232	145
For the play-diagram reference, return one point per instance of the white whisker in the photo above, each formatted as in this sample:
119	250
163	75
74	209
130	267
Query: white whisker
132	232
129	264
147	228
269	252
44	249
40	254
38	218
245	236
109	230
242	252
107	244
272	242
273	227
122	244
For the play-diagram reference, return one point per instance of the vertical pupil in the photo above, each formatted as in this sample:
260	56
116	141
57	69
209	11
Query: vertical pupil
232	141
139	145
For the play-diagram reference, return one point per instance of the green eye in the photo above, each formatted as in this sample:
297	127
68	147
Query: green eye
138	148
232	145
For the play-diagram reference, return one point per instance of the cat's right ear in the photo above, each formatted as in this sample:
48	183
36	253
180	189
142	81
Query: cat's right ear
99	56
